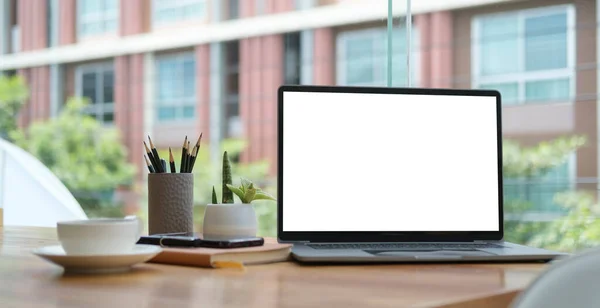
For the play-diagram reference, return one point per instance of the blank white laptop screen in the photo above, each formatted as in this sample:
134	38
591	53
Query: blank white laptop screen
389	162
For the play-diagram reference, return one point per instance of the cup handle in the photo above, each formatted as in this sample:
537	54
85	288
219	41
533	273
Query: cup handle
140	226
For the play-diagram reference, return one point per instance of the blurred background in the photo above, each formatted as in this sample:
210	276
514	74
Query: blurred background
83	82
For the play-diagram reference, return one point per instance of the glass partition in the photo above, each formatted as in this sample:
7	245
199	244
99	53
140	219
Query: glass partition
213	67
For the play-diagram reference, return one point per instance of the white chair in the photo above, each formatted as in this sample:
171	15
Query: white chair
572	282
30	194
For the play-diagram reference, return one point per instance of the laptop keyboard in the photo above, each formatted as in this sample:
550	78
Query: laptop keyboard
406	246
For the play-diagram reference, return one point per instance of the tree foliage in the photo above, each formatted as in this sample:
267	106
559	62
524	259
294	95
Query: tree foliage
578	228
86	156
13	94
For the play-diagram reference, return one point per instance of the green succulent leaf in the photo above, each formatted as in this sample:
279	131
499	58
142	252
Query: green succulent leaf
249	195
237	191
245	182
214	196
261	195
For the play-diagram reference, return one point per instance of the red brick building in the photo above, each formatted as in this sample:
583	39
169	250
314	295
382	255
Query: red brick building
175	68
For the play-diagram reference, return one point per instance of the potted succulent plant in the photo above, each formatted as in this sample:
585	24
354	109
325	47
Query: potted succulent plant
227	219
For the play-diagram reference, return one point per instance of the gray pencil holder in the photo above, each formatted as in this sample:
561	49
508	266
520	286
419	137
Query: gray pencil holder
170	202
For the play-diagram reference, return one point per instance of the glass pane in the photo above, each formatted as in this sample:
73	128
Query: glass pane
195	10
168	14
108	117
359	61
110	26
166	74
498	45
508	91
189	78
90	6
233	9
166	113
109	86
540	189
546	42
88	83
189	112
291	62
92	28
547	90
399	67
111	5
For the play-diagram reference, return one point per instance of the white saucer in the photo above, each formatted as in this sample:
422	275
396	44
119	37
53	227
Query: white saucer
97	264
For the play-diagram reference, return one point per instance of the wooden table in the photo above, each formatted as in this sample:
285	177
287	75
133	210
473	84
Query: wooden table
28	281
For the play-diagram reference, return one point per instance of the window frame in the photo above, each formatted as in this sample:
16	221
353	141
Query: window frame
178	103
375	33
101	107
102	16
175	5
522	76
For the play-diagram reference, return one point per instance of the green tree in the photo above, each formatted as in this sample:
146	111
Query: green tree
86	156
578	229
528	163
13	94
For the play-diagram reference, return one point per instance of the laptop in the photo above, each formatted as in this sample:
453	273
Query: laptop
380	175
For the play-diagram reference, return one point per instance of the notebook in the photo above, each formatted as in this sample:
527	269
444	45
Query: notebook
270	252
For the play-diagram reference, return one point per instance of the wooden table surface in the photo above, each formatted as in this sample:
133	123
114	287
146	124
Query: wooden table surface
28	281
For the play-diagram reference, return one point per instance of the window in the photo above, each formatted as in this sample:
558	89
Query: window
541	189
232	122
527	55
175	86
165	11
292	58
97	17
233	9
362	60
96	83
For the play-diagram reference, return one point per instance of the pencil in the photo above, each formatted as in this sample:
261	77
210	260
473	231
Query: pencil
194	154
163	164
182	165
188	164
171	161
156	156
151	157
150	168
196	150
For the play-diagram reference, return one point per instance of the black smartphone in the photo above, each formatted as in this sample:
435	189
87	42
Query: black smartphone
195	240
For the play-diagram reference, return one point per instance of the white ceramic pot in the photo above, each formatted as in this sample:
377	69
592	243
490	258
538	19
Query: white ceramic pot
228	221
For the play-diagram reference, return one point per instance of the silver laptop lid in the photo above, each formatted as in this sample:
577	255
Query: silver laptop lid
389	164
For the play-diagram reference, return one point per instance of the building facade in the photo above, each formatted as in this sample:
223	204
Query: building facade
174	68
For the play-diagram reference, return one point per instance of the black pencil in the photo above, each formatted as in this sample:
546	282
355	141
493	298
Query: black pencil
193	159
151	157
182	164
156	156
171	161
188	163
196	150
150	168
163	164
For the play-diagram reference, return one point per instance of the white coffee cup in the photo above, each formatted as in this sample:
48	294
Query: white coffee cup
104	236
